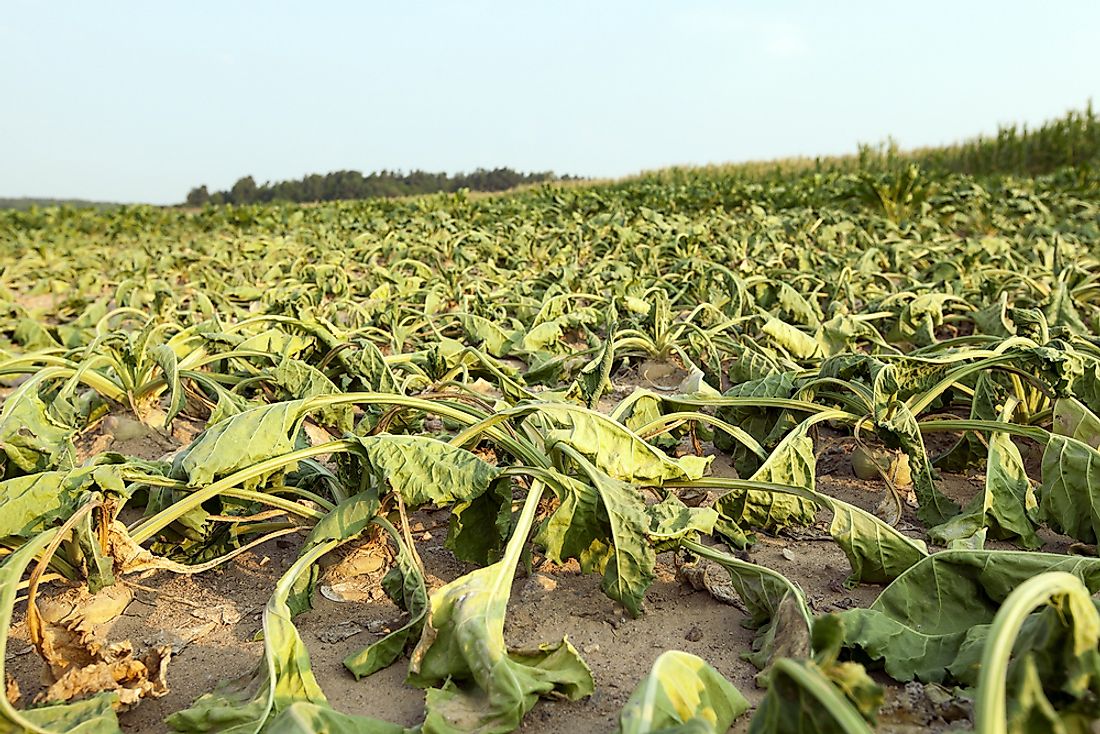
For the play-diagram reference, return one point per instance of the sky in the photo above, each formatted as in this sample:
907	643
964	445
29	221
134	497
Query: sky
141	101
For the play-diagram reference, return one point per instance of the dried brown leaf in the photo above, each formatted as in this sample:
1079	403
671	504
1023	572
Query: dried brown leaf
129	557
119	671
70	632
70	629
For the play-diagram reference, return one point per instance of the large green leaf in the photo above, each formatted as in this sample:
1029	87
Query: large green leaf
29	504
919	622
594	379
577	528
165	357
792	463
491	337
613	448
797	343
542	337
368	367
1074	419
1069	499
1060	311
682	693
671	521
240	441
304	717
801	699
1005	505
767	425
423	469
31	439
604	525
478	529
484	686
300	380
796	305
274	341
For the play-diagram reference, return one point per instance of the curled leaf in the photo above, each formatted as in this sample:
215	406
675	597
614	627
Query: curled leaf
682	693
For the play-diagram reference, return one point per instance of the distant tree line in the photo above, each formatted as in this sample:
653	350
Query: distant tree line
355	185
27	202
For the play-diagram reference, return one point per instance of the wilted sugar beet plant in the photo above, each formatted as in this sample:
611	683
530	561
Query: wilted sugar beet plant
672	372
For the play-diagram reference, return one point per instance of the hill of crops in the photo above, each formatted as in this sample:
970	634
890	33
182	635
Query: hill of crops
801	448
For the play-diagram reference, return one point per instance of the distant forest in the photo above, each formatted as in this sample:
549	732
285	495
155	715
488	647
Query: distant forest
355	185
26	202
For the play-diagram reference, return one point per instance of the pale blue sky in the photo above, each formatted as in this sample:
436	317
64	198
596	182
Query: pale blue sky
140	101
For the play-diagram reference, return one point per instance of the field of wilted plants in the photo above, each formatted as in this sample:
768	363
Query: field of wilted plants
815	451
